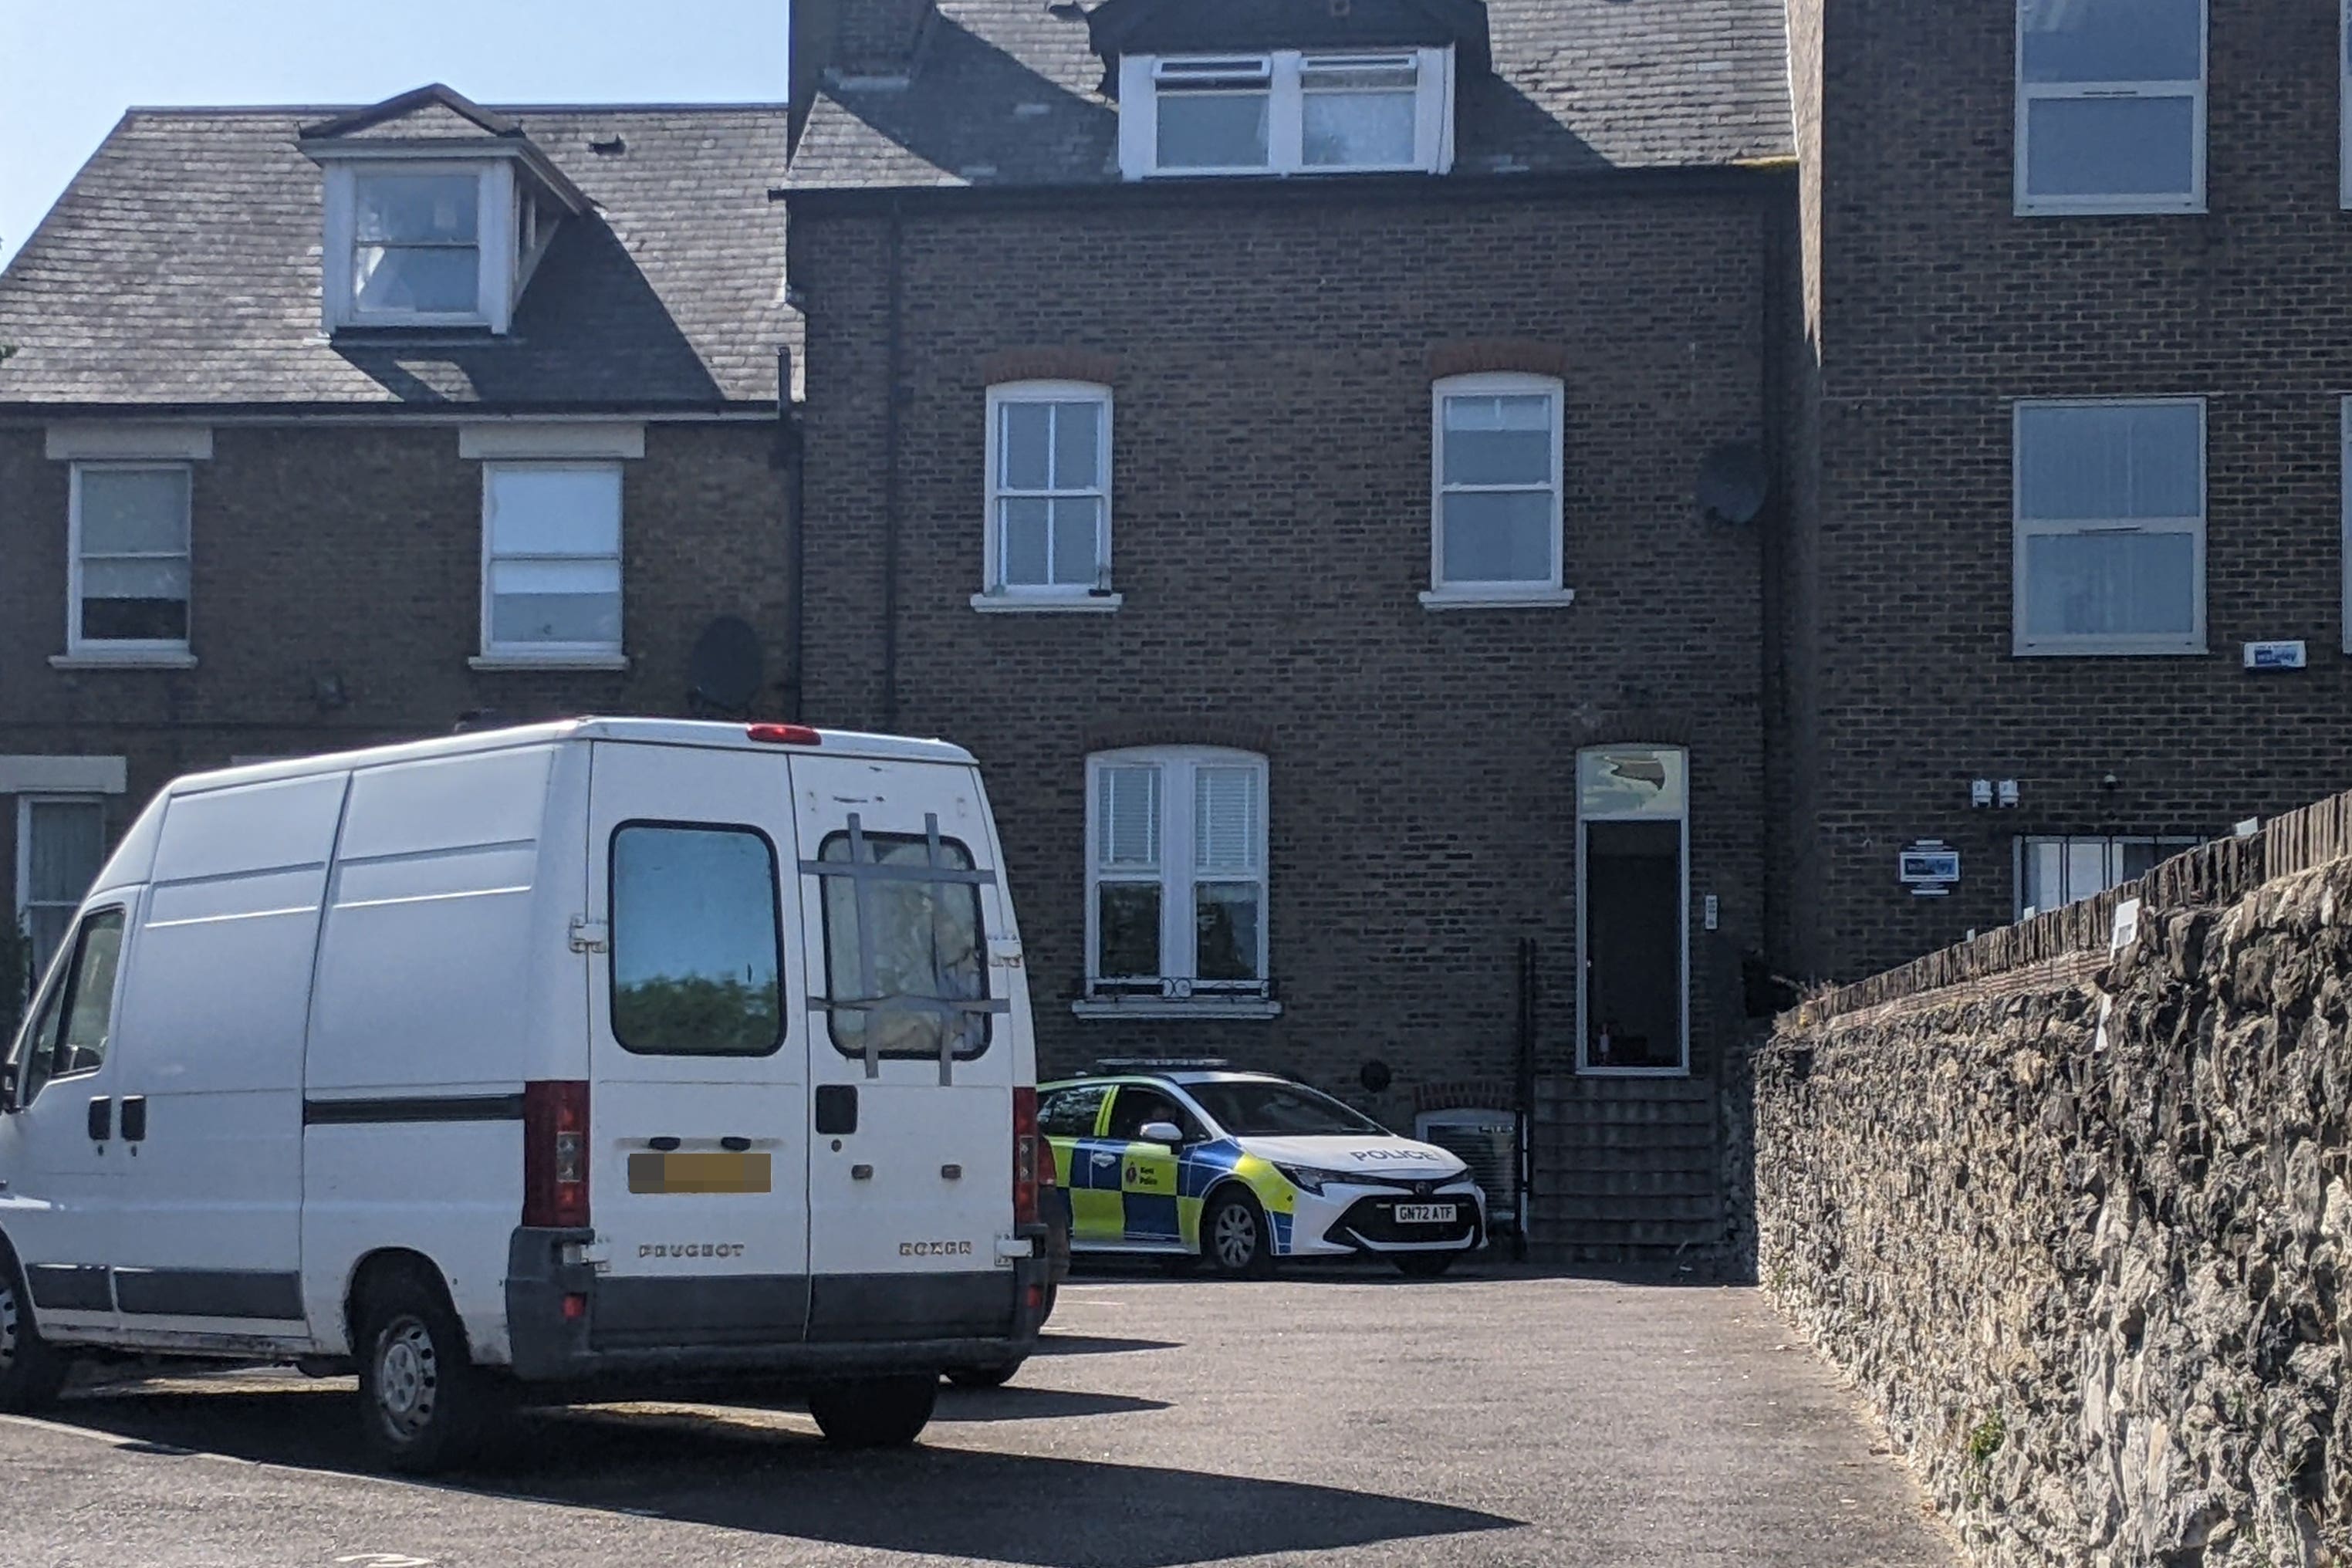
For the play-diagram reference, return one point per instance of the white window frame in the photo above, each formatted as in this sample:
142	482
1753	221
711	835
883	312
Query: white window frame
2022	846
497	236
1138	120
1181	991
2028	93
24	846
2023	646
1444	595
996	594
541	654
125	650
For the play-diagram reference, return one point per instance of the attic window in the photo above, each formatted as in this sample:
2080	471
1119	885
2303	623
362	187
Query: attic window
1287	112
416	244
447	242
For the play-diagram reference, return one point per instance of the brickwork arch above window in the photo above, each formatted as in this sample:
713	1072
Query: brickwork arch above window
1049	361
1479	356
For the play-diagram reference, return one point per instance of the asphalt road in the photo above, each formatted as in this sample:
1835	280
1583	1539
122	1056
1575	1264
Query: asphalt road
1349	1419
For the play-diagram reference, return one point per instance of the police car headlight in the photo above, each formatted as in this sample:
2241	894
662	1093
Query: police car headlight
1307	1178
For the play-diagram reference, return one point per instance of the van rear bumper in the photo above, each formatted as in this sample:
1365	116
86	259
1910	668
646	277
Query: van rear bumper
832	1326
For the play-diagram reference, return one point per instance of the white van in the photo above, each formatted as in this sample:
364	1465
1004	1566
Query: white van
509	1063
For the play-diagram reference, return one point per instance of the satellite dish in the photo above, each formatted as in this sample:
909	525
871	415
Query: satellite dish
723	674
1733	482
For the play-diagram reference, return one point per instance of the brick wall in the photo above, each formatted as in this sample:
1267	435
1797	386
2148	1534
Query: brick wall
1271	532
354	553
1939	308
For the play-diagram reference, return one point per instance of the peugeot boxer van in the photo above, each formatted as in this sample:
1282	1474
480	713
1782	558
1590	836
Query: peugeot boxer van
524	1063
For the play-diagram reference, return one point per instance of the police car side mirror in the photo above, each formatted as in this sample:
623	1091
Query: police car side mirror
1166	1133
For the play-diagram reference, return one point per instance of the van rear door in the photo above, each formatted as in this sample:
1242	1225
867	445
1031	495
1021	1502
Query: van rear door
697	1097
912	1051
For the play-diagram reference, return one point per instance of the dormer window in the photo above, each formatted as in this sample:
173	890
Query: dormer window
437	212
1287	112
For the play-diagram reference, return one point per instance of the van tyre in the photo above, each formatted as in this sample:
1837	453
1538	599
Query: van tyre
424	1405
880	1413
1234	1236
985	1376
31	1369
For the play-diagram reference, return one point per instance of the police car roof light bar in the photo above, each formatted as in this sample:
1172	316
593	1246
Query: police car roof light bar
1160	1064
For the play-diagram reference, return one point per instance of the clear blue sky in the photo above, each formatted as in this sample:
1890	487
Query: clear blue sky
72	67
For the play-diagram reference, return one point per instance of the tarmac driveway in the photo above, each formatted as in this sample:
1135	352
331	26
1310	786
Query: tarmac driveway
1501	1418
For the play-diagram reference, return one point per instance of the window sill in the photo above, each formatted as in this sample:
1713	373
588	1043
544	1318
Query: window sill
1450	599
2107	650
549	661
1167	1007
88	661
2130	207
1044	604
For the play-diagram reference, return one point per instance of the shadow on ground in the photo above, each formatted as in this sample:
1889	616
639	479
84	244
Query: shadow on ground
739	1469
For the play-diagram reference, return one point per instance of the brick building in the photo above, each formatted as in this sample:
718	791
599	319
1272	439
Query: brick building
2080	307
1267	434
507	449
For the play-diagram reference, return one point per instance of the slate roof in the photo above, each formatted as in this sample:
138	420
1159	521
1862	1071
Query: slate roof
182	266
1006	92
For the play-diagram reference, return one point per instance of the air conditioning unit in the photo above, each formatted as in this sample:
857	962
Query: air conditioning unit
1488	1143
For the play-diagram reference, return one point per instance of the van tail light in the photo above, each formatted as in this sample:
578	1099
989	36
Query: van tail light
555	1153
1025	1163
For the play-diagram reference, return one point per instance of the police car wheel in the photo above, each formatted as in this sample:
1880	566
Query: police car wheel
1422	1265
1234	1236
983	1376
31	1370
879	1413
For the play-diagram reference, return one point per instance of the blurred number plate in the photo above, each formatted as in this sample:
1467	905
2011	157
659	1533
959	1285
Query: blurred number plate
1424	1214
698	1173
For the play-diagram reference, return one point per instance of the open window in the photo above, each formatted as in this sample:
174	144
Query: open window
1286	112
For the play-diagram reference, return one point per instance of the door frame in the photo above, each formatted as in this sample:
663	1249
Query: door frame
1583	911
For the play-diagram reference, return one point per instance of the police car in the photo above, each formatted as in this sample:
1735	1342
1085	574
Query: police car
1244	1168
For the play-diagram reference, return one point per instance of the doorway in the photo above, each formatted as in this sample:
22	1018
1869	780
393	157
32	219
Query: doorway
1633	911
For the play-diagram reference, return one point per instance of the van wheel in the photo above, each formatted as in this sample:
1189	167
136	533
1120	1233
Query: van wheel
424	1405
880	1413
31	1369
983	1376
1234	1238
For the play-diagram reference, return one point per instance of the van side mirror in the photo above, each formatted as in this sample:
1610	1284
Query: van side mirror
1166	1133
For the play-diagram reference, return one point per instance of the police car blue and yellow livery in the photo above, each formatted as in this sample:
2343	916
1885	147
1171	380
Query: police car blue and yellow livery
1243	1168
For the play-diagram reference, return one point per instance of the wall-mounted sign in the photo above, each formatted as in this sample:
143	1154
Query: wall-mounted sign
1929	868
2275	656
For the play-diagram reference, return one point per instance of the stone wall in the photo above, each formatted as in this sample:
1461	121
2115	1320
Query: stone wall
2076	1225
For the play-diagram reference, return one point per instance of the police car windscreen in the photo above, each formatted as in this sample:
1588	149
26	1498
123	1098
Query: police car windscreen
1276	1109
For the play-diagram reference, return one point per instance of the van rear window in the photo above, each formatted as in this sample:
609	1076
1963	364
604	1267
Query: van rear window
905	962
696	948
